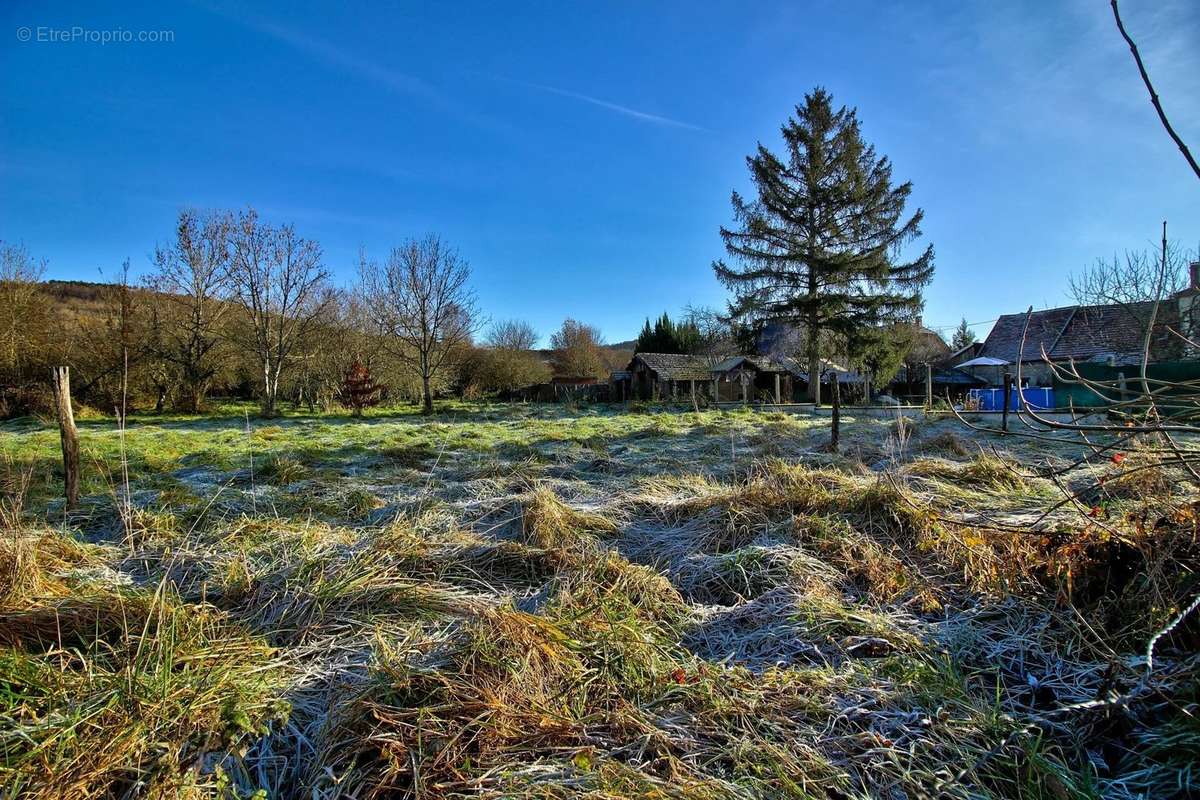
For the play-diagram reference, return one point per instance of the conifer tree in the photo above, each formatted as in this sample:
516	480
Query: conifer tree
963	336
820	245
667	336
359	388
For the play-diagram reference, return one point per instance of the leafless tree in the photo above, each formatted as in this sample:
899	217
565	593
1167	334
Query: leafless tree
191	279
1137	277
510	361
280	281
578	350
23	307
421	301
512	334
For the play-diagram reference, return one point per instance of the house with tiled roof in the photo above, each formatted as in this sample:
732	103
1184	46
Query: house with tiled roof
1113	334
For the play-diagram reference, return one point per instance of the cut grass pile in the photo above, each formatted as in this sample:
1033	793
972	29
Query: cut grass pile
532	602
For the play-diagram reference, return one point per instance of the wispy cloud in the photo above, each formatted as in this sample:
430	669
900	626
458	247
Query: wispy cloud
644	116
339	58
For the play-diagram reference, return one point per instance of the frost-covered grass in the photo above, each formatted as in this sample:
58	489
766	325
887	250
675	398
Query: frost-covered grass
537	601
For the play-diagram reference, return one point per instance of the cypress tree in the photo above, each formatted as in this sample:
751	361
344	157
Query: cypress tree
645	340
819	248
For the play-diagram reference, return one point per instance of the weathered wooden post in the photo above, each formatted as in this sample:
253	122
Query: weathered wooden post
928	387
776	388
1007	398
68	434
835	391
745	389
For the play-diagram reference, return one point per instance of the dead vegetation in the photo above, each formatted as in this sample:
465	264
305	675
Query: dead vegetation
746	618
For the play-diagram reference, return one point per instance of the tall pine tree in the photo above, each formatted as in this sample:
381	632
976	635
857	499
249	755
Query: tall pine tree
820	247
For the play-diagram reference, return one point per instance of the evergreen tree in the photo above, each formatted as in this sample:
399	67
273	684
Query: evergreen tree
963	336
645	340
668	336
819	246
359	388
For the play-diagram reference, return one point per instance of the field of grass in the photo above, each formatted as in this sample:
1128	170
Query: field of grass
533	601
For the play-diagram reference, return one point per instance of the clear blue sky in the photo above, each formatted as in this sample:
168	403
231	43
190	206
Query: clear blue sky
581	155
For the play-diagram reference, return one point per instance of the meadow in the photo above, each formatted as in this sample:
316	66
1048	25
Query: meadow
548	601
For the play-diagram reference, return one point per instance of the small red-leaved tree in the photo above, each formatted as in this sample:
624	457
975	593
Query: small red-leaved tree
359	388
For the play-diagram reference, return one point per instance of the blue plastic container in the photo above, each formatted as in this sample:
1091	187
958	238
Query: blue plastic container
1038	398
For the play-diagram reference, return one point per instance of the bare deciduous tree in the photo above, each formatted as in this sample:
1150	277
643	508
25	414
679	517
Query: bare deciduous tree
1135	278
23	308
279	279
421	302
192	278
578	350
511	362
512	334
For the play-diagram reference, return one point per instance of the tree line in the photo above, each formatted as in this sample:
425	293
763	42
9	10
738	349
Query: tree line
238	306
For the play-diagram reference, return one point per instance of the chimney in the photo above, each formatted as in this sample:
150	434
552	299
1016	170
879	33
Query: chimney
1194	275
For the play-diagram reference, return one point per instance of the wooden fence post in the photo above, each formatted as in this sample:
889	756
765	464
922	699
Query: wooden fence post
928	386
1007	396
68	434
835	391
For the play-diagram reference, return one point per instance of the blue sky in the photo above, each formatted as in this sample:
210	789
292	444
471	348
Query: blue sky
581	155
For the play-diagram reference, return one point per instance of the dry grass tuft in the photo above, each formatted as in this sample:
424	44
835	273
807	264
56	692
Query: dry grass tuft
37	565
549	523
117	694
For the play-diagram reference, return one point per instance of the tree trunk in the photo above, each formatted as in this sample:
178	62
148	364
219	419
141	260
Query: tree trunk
835	428
68	434
814	376
426	395
268	400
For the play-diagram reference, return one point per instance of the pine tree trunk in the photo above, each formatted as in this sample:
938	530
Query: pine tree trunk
814	377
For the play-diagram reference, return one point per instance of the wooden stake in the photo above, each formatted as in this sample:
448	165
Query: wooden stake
834	389
1007	396
68	434
928	386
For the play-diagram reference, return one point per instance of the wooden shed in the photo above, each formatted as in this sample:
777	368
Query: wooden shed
753	378
662	376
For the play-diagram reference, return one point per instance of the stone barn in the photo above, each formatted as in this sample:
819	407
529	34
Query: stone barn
662	376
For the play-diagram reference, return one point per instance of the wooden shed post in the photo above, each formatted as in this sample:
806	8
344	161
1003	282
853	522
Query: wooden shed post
68	434
776	388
